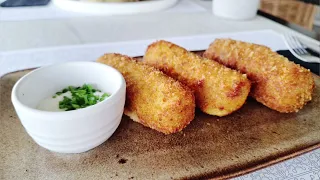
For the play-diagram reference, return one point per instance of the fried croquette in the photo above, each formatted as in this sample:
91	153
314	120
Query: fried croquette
153	98
218	90
276	82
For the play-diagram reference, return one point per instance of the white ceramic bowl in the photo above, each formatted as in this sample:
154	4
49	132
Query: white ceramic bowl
70	131
236	9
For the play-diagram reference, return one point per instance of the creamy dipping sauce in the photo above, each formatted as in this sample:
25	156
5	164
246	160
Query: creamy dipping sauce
72	98
52	104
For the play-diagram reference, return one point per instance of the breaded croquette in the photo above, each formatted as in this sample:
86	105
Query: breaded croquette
218	89
276	82
153	99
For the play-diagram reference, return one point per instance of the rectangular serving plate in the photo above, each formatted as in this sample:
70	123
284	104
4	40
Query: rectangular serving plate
210	147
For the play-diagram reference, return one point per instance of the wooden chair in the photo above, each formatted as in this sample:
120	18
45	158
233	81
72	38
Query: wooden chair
293	11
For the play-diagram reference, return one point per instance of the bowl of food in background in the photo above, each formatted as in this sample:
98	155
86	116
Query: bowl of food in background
114	7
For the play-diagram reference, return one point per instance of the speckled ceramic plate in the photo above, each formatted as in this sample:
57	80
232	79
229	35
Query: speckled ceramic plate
210	147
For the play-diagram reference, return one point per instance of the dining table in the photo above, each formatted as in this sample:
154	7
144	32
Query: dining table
23	33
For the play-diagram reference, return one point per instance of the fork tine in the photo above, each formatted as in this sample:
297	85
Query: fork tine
300	44
294	46
289	41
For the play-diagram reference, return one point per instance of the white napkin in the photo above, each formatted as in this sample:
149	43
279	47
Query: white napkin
25	59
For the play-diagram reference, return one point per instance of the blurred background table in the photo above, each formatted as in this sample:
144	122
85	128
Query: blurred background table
303	16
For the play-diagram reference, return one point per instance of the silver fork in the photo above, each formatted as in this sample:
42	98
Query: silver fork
297	48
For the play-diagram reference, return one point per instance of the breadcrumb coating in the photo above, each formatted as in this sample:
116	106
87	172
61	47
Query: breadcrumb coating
276	82
219	90
153	99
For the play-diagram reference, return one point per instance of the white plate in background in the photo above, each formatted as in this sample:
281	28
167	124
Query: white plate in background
112	8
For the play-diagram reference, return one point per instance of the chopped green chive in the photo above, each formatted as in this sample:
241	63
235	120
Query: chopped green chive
104	96
81	97
64	90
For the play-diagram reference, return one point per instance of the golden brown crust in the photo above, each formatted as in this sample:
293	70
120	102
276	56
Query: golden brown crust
277	82
218	89
153	99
